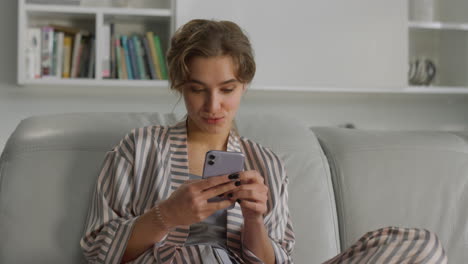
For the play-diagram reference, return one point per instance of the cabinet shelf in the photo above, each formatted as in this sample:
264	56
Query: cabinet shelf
438	25
97	10
93	82
403	90
439	35
158	18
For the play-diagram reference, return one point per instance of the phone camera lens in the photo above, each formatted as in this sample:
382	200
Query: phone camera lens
211	162
211	156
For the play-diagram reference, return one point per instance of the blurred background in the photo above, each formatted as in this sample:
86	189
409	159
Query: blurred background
367	64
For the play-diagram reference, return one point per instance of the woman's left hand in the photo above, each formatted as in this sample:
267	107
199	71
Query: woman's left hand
252	195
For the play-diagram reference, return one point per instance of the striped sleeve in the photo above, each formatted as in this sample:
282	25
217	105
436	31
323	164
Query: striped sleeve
281	230
277	221
110	221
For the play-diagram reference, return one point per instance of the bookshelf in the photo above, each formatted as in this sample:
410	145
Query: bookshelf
157	17
438	31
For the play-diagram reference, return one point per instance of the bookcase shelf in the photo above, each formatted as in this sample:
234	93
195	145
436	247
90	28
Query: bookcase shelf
73	82
66	9
438	32
158	18
438	25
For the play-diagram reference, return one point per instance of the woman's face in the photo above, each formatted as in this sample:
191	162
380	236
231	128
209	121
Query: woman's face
213	94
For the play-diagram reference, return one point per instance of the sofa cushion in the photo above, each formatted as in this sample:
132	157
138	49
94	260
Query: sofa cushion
50	164
311	198
409	179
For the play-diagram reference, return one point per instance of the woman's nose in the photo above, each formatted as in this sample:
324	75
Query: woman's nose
212	103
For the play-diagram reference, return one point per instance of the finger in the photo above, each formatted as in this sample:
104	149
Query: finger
211	182
248	195
215	206
253	206
220	189
251	176
247	190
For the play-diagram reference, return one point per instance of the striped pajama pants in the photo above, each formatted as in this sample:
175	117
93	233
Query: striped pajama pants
394	245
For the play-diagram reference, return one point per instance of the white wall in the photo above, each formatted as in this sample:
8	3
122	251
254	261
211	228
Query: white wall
364	110
337	43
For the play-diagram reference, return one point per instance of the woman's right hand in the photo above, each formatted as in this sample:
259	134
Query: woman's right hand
189	203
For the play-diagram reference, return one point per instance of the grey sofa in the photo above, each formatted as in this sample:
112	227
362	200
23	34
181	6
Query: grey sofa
343	182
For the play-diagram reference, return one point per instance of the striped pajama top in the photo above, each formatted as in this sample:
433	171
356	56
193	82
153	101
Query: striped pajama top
150	163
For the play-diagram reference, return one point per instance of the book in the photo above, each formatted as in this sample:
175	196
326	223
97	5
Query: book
47	49
150	36
75	55
84	58
133	59
128	65
58	54
148	59
123	62
161	57
139	56
118	60
53	66
113	64
106	52
92	59
33	54
67	56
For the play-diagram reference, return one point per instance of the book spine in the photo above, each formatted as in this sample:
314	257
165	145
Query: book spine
161	57
118	59
113	62
106	44
92	58
123	62
33	54
59	58
149	58
154	55
139	55
75	56
84	59
79	60
53	67
67	56
133	59
127	58
47	49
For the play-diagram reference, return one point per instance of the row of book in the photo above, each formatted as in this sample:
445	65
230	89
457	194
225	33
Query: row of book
56	51
60	52
135	57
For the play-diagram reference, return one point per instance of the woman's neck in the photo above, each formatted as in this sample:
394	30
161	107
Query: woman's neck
209	141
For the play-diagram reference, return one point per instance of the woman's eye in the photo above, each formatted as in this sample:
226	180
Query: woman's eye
227	90
196	90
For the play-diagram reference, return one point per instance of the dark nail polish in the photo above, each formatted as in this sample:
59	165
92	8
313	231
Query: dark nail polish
238	200
230	195
234	176
238	183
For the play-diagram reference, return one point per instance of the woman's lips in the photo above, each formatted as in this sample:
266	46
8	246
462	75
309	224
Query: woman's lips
213	121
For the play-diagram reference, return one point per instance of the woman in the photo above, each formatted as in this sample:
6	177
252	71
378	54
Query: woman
150	204
144	208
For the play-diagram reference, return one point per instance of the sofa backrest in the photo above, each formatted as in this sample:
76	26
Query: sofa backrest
50	163
409	179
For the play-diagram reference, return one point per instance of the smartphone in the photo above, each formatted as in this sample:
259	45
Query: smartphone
220	163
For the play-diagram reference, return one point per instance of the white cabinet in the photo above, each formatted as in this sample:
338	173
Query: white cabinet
438	31
156	16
